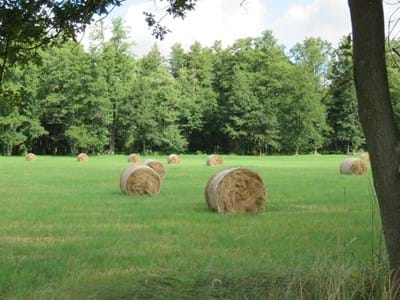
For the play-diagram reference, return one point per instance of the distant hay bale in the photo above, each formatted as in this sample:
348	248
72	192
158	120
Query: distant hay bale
82	157
359	167
30	157
139	179
156	166
236	190
353	166
365	157
134	157
174	159
215	160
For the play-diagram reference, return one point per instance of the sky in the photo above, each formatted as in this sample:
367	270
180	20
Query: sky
290	21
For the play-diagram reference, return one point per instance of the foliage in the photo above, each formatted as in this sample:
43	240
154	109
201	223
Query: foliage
153	106
11	128
343	118
70	94
393	68
175	8
30	24
251	97
20	110
197	100
81	139
115	65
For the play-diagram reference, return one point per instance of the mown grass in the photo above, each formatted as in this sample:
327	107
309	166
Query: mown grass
66	232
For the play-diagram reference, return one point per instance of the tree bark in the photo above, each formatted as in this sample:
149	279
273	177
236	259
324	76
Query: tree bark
377	119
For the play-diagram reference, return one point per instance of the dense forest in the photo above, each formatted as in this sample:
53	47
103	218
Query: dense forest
253	97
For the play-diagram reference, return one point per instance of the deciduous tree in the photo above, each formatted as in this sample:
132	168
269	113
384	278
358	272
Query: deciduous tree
378	119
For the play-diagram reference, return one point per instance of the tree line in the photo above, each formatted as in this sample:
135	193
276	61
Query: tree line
252	97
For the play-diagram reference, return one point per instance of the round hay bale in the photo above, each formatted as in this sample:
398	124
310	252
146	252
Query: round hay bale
215	160
365	157
345	166
236	190
174	159
353	166
30	157
359	167
82	157
139	179
156	166
134	157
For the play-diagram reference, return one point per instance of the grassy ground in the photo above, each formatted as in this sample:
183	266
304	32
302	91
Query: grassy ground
66	232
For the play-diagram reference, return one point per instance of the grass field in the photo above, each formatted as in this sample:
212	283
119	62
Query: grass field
66	232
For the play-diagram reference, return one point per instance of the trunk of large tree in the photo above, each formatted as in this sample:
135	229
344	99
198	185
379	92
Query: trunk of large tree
377	118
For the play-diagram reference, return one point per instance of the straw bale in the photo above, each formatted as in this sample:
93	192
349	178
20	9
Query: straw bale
236	190
215	160
174	159
82	157
365	157
156	166
134	157
353	166
139	179
30	157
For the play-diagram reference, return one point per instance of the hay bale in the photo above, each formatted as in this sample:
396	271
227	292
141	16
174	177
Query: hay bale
82	157
365	157
139	179
215	160
174	159
353	166
359	167
134	157
156	166
30	157
236	190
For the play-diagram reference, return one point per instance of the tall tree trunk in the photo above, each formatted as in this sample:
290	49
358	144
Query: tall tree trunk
377	118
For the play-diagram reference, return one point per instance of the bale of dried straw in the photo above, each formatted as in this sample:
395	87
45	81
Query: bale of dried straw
82	157
139	179
134	157
353	166
365	157
174	159
215	160
156	166
236	190
359	167
30	157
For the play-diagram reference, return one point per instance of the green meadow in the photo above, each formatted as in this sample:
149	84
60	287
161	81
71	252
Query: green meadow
67	232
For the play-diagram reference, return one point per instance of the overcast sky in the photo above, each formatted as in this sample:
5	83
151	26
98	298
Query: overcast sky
291	21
